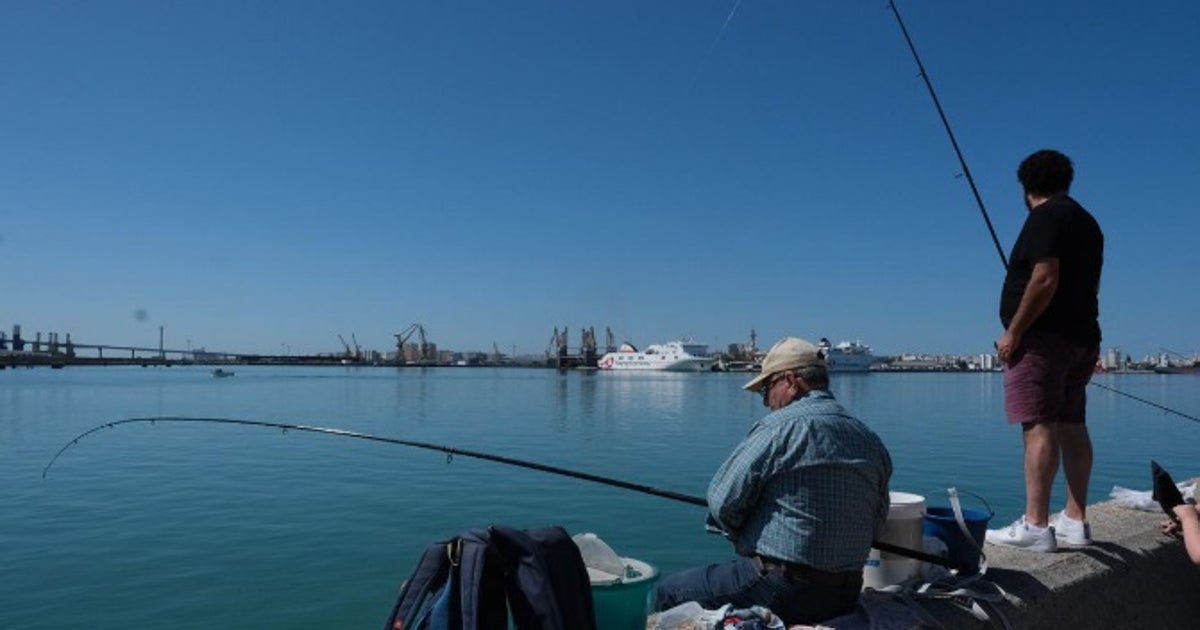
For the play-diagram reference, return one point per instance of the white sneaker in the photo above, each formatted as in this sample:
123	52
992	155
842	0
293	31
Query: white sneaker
1070	531
1022	535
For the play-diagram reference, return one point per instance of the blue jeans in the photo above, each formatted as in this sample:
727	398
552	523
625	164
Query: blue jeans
741	583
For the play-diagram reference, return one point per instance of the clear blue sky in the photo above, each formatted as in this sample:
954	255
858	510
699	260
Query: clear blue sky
255	174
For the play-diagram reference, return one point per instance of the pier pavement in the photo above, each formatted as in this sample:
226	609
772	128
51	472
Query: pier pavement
1132	576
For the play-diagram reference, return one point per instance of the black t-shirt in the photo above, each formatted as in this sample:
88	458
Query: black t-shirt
1059	228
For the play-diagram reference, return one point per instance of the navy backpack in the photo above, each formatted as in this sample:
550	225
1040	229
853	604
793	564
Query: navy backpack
474	580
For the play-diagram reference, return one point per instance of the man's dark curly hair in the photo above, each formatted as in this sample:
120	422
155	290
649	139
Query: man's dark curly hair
1045	173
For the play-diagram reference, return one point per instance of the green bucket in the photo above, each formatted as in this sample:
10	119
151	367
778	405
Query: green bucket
623	602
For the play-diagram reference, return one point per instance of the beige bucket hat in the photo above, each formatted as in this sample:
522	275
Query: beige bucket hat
789	353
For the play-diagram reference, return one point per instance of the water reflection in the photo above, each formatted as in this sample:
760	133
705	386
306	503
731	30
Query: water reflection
411	394
849	387
587	395
562	399
656	396
663	401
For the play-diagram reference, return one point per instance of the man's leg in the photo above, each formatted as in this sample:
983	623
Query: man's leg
1076	446
743	584
712	586
1033	398
1073	435
1041	465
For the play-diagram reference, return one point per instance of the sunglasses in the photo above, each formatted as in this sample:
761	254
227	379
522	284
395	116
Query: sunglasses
766	390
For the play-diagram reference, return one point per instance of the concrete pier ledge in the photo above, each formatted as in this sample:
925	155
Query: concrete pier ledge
1133	576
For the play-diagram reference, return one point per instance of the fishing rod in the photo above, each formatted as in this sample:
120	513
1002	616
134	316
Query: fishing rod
975	191
949	132
450	452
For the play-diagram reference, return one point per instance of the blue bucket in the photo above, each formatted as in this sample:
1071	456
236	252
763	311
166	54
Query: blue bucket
941	524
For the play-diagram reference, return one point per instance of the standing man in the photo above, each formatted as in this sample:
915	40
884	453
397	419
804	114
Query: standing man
801	498
1050	310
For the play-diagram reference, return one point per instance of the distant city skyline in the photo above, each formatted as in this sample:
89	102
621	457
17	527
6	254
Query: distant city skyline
255	177
1112	355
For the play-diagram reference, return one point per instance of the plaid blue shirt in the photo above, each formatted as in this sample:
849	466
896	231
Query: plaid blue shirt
809	485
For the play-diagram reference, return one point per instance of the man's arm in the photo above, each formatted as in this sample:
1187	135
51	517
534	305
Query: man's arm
735	487
1189	521
1043	282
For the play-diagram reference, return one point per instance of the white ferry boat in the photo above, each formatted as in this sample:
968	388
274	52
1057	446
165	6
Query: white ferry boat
847	356
673	356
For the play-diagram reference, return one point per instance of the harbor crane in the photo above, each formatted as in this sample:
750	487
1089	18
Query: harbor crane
562	356
558	341
357	349
403	337
349	354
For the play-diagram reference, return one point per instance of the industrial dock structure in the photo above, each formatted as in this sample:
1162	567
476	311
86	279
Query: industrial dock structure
413	348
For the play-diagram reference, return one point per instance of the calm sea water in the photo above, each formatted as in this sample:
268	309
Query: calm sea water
205	526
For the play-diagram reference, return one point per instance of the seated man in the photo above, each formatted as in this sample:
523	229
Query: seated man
801	498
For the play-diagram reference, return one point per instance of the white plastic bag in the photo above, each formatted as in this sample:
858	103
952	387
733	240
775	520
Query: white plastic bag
687	616
1135	499
933	546
603	564
1144	499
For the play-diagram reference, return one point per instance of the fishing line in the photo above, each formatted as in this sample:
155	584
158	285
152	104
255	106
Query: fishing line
975	191
713	46
721	33
450	452
1151	403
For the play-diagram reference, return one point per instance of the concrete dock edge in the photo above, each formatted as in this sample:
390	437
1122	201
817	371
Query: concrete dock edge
1132	576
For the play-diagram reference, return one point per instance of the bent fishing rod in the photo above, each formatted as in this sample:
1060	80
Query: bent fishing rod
979	199
450	453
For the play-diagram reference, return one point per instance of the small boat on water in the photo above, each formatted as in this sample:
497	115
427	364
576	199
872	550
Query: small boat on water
219	373
847	356
739	366
673	356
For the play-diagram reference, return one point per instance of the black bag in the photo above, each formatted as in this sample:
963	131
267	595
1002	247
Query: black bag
1165	491
547	582
463	583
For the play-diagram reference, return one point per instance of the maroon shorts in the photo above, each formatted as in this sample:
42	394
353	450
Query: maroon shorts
1047	378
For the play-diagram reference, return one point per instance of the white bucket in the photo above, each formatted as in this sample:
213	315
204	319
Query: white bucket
905	521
